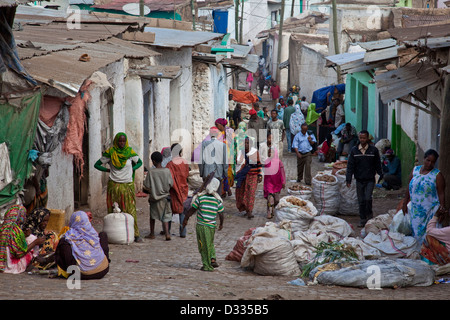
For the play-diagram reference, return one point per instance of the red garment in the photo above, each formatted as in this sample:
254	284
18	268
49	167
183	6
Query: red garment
275	92
179	192
325	147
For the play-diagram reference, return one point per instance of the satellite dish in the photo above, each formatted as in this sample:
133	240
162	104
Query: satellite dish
133	9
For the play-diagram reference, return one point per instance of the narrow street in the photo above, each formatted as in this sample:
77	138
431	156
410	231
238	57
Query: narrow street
170	270
89	92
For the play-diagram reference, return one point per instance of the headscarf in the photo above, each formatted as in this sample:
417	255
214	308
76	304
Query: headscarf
214	132
222	121
117	155
297	119
35	219
312	115
12	236
280	111
211	189
84	241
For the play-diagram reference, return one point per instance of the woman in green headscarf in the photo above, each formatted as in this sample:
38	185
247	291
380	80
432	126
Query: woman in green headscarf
123	162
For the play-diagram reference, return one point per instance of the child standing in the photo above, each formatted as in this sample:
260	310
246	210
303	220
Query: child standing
208	205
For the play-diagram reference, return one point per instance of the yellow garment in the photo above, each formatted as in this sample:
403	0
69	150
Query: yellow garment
61	272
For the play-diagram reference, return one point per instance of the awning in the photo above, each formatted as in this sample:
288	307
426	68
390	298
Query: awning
283	64
432	43
377	54
164	72
250	63
403	81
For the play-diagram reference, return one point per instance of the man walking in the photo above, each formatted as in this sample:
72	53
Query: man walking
364	163
214	157
286	120
302	146
276	127
274	93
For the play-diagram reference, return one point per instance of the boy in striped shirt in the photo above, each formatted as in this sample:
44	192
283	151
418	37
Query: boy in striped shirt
208	205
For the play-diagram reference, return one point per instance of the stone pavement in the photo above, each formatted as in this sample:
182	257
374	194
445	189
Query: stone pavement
169	270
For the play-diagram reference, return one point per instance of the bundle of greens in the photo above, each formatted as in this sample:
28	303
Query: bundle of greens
327	252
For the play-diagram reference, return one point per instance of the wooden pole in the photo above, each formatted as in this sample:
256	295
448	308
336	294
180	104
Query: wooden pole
292	8
236	19
444	153
241	35
335	38
193	14
280	39
141	8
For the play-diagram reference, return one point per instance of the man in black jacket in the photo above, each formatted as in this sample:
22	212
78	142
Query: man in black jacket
364	163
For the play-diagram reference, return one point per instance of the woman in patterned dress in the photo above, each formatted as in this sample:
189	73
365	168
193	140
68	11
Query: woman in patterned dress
426	192
247	178
123	162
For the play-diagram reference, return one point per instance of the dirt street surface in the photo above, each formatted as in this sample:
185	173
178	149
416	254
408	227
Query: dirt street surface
170	270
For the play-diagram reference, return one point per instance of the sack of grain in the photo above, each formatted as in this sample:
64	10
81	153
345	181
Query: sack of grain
119	226
326	193
296	210
303	192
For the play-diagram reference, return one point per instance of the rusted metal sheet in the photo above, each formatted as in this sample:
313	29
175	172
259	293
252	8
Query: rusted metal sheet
377	45
420	32
401	82
432	43
382	54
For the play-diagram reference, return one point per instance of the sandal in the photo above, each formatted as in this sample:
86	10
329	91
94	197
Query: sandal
250	216
203	269
150	236
214	263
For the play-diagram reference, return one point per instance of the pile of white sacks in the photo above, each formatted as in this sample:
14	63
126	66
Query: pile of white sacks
283	247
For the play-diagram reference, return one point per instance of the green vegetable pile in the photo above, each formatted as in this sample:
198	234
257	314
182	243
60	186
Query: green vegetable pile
327	252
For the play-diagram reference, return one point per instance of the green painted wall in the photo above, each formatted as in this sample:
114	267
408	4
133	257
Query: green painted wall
404	3
152	14
354	97
404	148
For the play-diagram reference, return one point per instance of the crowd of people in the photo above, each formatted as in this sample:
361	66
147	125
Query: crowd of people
237	152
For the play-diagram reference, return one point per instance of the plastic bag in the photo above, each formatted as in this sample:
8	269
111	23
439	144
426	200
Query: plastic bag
392	273
405	225
401	222
348	204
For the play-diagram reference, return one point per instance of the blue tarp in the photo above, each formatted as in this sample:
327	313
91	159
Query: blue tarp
320	96
8	50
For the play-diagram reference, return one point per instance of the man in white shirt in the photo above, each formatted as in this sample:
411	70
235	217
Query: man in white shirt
339	117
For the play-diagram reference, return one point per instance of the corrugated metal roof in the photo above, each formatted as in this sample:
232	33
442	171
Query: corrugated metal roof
377	45
432	43
12	3
344	58
172	38
382	54
250	63
35	40
153	5
420	32
64	70
401	82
